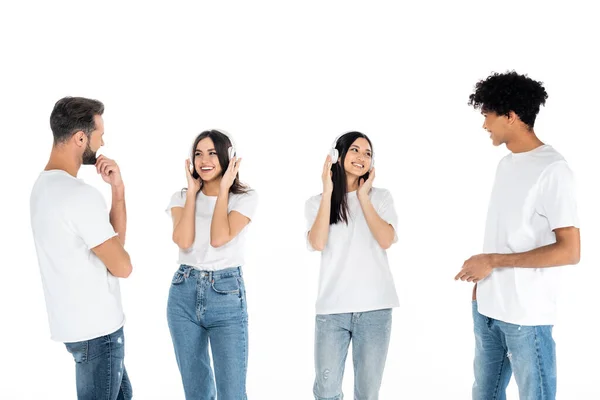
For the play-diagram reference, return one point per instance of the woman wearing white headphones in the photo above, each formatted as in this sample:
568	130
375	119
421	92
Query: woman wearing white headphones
207	298
352	224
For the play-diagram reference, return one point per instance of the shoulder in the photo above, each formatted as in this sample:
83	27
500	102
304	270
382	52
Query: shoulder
553	162
250	195
558	169
380	194
83	192
549	155
246	202
504	160
178	195
313	200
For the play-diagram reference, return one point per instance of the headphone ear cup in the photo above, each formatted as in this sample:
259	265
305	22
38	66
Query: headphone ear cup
231	152
334	155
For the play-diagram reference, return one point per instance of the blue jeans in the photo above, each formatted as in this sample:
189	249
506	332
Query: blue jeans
370	336
99	369
210	306
501	348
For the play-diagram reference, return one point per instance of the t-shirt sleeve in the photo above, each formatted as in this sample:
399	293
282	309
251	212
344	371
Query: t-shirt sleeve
177	200
558	201
387	212
311	209
90	217
245	204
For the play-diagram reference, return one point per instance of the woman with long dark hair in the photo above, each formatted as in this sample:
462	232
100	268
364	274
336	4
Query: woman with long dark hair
207	298
352	224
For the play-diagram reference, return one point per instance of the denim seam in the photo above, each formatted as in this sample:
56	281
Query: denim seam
109	385
199	299
539	364
86	355
499	379
245	357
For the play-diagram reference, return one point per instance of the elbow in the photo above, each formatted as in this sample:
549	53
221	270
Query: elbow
575	257
126	271
385	244
183	243
571	253
387	239
123	270
218	242
318	246
127	268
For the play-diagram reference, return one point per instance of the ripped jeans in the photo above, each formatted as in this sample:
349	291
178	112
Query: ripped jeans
502	348
99	369
370	335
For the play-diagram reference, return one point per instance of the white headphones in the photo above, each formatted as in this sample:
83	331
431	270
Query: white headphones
231	150
335	154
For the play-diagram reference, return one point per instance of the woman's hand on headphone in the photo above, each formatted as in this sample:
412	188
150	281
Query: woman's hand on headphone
230	173
365	185
194	184
326	176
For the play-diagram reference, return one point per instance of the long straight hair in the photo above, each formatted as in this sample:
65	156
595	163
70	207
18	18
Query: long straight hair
339	197
222	144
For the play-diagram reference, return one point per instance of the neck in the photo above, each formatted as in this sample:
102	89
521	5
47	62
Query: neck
524	141
62	160
211	188
352	183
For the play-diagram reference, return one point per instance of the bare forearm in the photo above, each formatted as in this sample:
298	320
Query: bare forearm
319	232
552	255
185	231
219	226
118	212
381	230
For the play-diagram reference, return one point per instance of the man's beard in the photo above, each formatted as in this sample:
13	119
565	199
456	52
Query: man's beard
88	157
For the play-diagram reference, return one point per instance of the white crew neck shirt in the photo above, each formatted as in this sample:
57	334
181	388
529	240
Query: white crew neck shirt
355	275
68	219
202	255
533	194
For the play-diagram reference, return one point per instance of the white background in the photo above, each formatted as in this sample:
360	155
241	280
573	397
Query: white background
285	79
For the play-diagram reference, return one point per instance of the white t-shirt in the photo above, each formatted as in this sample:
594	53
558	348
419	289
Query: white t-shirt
354	274
533	194
68	219
202	255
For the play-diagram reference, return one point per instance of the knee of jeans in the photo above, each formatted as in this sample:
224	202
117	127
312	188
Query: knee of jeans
336	397
327	385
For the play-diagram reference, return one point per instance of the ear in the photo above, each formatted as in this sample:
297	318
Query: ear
80	138
512	117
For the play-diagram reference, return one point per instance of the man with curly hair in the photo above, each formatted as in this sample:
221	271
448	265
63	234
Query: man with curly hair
532	229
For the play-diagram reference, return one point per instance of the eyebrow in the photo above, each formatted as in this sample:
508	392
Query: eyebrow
358	147
206	150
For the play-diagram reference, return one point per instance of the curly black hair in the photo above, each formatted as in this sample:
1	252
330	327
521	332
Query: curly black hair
502	93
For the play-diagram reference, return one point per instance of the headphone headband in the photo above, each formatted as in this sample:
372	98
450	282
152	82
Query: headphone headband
231	150
335	154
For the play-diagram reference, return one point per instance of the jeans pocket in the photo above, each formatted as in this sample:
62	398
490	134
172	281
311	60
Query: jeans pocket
79	350
229	285
178	278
